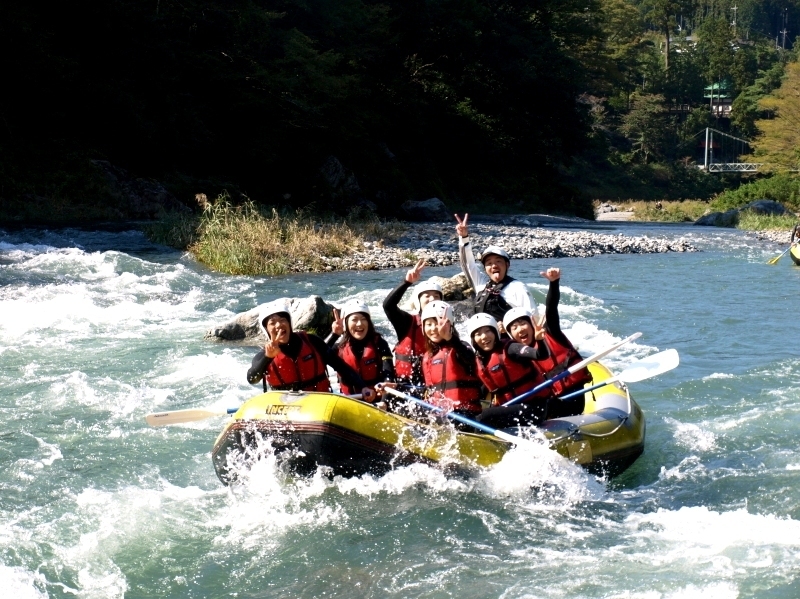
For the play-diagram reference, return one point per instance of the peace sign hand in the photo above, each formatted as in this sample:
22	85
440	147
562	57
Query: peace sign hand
337	326
271	349
412	276
461	227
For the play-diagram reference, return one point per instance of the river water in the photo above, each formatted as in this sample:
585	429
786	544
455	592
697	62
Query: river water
98	329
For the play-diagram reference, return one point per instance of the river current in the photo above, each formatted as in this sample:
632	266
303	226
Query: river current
98	329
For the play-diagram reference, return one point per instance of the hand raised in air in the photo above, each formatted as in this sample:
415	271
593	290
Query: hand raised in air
461	227
551	274
412	276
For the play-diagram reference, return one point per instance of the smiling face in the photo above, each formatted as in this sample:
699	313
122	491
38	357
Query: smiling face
521	331
496	267
434	331
428	296
485	338
278	328
358	325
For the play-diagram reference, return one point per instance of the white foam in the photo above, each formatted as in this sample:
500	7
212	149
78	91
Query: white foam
701	532
692	436
18	583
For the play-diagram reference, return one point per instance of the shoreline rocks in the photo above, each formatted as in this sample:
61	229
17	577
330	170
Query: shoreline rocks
438	244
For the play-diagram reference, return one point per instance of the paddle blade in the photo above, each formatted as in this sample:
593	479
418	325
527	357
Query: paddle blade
179	416
775	259
650	366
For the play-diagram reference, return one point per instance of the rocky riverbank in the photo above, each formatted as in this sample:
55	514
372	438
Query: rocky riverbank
438	244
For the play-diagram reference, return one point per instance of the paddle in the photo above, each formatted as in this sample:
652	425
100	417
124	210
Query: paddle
181	416
638	371
508	437
571	370
776	258
192	415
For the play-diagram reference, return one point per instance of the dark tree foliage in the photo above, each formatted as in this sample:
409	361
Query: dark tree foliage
464	97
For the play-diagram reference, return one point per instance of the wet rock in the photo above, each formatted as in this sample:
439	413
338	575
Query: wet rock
719	219
430	210
308	314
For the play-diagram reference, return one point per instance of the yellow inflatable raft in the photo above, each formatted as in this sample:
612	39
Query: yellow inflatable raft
351	437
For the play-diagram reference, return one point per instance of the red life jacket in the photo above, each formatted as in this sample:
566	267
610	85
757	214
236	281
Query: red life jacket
562	357
306	373
369	366
507	378
445	374
409	351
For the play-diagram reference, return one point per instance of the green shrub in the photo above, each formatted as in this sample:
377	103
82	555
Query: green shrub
783	188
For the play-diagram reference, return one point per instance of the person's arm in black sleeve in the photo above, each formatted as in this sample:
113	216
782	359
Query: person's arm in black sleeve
400	319
387	361
350	377
552	320
551	307
258	367
331	340
464	354
526	352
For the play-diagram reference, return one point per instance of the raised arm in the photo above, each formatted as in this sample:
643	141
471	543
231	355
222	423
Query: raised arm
475	275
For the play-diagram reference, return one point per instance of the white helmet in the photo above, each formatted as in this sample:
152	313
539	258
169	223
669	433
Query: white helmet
514	314
497	251
436	309
481	319
279	306
427	286
353	307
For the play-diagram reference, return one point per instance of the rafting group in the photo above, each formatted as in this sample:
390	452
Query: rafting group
512	349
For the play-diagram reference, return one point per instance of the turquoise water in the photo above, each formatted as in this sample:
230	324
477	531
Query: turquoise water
98	329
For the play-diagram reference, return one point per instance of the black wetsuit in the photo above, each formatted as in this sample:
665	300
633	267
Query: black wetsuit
556	407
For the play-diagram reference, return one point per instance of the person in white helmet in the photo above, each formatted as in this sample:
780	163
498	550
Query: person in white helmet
361	346
410	338
562	353
448	365
507	369
495	291
296	361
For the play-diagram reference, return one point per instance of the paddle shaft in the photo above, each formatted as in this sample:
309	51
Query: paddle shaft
571	370
458	417
777	258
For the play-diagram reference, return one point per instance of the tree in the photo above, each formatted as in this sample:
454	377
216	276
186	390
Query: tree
778	141
648	126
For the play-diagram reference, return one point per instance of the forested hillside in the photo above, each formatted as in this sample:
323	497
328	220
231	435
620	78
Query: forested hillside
539	104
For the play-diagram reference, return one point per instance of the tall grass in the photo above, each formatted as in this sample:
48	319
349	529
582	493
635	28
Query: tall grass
750	221
250	240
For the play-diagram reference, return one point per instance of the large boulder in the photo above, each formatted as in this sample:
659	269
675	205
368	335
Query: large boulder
308	314
138	198
765	207
455	288
719	219
430	210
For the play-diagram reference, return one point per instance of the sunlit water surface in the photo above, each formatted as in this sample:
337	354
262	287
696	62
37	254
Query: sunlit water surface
98	329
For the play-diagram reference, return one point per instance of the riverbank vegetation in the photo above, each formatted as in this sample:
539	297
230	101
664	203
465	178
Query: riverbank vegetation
535	106
247	239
